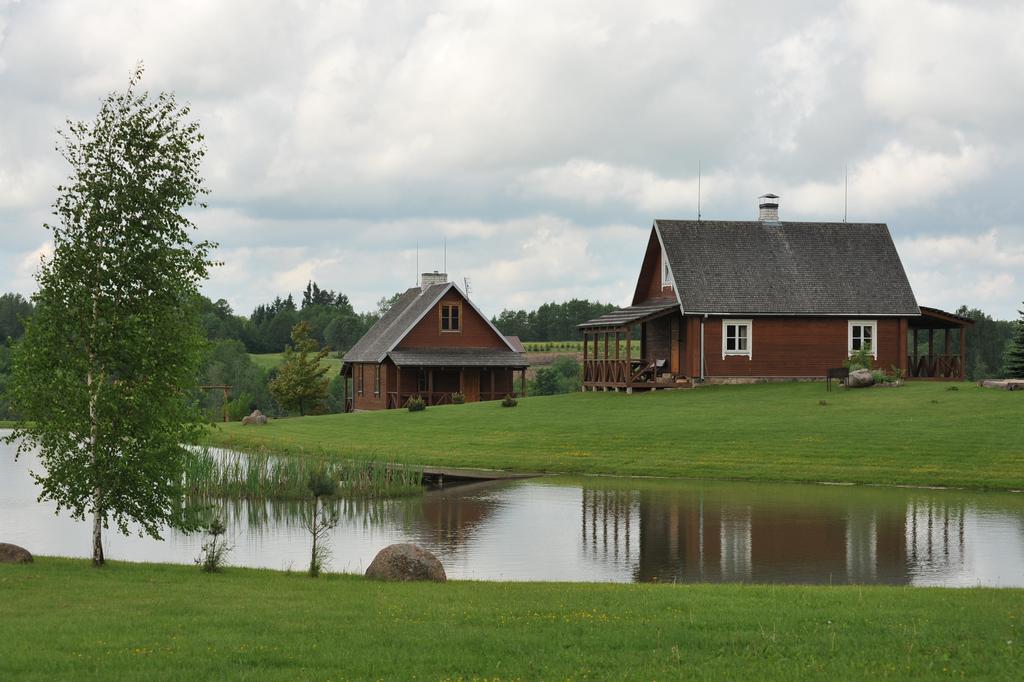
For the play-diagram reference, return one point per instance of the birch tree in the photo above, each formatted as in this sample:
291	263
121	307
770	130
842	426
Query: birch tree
104	375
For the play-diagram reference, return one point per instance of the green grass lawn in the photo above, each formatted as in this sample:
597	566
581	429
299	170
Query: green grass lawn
267	361
919	434
61	619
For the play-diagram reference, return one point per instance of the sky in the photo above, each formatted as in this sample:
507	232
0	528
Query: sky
539	140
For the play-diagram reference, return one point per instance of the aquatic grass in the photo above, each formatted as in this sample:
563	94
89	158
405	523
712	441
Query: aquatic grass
211	474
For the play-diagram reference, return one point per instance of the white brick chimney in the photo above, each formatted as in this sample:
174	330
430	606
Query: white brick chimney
768	208
435	277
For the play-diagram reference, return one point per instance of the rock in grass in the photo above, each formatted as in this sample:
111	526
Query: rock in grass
12	554
257	418
404	562
860	378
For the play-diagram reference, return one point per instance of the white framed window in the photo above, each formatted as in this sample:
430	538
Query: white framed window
666	273
862	334
737	337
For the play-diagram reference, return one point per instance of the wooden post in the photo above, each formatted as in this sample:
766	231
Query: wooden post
963	352
462	380
606	345
915	348
586	368
492	373
344	389
629	358
522	382
430	385
398	388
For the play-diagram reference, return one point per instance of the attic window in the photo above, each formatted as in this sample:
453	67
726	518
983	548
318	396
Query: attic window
737	338
666	273
451	317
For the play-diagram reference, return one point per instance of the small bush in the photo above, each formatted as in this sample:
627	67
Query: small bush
823	402
952	388
458	399
509	401
214	553
417	404
862	359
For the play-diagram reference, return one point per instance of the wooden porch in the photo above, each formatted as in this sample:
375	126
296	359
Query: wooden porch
614	360
923	362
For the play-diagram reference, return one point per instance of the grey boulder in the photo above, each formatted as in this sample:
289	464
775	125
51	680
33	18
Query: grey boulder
256	417
860	378
12	554
404	562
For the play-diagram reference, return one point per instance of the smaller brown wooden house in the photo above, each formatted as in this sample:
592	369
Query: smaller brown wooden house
733	301
433	343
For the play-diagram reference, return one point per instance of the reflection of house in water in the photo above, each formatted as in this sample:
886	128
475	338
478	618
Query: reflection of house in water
705	537
446	519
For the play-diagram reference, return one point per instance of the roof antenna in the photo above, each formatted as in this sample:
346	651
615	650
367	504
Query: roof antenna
846	189
698	190
444	259
417	282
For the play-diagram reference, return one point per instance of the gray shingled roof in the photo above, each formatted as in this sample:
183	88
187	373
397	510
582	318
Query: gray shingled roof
399	321
457	357
786	268
634	313
395	324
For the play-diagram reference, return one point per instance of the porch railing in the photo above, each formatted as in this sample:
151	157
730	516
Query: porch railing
397	400
935	367
612	372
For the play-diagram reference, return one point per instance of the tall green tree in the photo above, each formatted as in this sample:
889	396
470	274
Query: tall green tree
103	375
301	381
1014	365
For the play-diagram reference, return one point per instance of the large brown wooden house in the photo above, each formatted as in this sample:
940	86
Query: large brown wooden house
433	343
727	301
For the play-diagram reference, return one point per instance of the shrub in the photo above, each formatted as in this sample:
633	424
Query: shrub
862	359
417	404
509	401
214	554
458	399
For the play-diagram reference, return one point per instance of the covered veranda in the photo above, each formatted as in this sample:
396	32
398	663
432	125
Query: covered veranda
925	360
437	375
612	359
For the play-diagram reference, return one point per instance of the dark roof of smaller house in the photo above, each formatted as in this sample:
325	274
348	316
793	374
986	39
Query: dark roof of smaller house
457	357
786	268
399	320
516	344
632	314
395	323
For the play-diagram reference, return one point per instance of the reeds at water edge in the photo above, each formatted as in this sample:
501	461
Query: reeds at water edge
262	476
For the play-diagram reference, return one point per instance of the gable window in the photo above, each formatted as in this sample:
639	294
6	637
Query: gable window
863	334
376	380
451	317
737	337
666	272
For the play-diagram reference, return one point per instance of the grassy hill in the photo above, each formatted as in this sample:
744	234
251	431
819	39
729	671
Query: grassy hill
61	619
924	433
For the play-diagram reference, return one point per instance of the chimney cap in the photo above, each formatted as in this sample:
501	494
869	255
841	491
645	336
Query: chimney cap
769	196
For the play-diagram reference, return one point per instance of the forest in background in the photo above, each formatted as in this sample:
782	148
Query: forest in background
332	321
335	323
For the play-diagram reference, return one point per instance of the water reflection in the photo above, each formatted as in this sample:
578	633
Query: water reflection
605	530
805	534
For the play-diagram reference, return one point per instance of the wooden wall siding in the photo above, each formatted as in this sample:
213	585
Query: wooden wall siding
476	333
369	401
471	385
659	340
648	285
794	347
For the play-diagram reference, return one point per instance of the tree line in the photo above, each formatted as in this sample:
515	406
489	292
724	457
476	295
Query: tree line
551	321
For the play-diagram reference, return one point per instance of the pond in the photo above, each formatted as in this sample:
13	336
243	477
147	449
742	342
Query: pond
598	529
